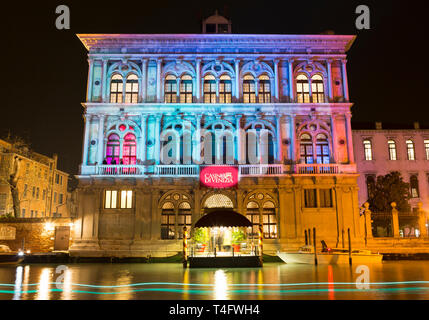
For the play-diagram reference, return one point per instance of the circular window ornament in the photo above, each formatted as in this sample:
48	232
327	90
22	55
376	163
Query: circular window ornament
260	196
217	68
93	142
97	83
313	127
342	142
176	196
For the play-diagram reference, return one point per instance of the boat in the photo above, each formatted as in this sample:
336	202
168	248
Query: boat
8	257
305	255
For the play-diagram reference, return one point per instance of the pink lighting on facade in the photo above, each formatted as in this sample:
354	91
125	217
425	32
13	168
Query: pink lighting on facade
219	177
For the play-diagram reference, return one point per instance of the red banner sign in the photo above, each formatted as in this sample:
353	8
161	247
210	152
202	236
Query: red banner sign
219	177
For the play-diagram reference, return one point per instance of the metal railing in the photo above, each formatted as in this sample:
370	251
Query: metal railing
194	170
177	170
317	169
120	170
258	170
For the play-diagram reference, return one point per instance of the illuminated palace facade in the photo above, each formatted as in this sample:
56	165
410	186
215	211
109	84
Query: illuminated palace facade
140	86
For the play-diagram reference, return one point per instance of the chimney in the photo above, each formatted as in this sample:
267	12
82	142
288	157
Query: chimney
416	126
378	125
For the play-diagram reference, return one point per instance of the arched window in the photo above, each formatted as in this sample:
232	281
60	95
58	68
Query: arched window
168	221
170	89
410	150
116	89
249	95
392	150
113	149
269	220
252	214
209	89
132	89
367	146
264	89
184	219
129	149
302	89
317	89
186	89
322	149
306	148
225	89
414	185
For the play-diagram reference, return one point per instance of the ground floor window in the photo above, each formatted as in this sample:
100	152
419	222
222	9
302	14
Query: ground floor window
114	199
269	221
310	198
318	198
252	215
168	221
325	198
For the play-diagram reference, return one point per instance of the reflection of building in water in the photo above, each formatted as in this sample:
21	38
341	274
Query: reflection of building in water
289	92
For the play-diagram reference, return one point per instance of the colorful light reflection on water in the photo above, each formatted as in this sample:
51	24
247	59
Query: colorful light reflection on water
391	280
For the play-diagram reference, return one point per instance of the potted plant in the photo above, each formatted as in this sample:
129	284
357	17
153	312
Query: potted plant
201	237
238	237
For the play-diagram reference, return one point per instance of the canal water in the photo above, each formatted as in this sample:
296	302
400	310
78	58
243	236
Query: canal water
275	281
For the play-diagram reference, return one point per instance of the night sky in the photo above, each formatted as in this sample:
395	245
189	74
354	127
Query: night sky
45	69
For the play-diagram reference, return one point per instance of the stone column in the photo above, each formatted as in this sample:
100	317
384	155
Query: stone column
100	145
155	232
238	137
144	79
198	78
292	139
334	139
395	221
345	82
143	141
198	139
276	80
237	79
349	139
279	139
422	221
157	138
330	91
291	81
158	80
104	82
90	75
88	119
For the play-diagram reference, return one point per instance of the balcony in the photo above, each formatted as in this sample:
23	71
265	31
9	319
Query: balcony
174	171
317	169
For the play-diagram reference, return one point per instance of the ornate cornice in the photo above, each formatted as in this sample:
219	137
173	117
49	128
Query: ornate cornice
145	43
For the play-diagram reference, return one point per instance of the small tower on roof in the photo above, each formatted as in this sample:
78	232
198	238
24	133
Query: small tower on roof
216	24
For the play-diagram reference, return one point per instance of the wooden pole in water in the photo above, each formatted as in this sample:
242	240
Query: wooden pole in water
314	244
350	247
185	248
260	244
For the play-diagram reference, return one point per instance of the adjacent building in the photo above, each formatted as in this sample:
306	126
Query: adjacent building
289	93
42	188
385	148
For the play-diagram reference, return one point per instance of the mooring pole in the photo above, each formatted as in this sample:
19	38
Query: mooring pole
306	240
185	247
350	247
314	244
260	244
